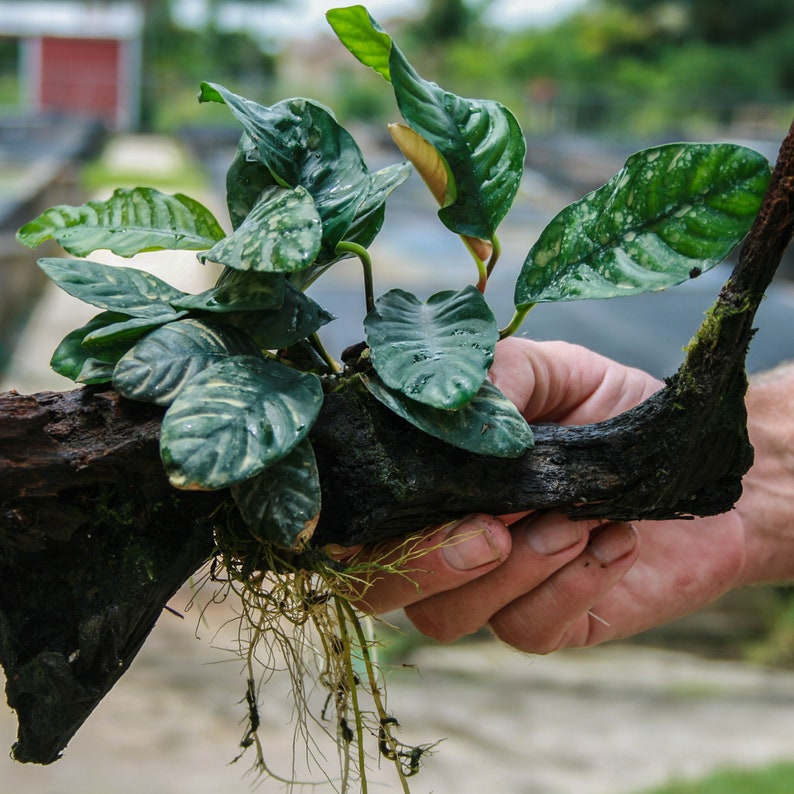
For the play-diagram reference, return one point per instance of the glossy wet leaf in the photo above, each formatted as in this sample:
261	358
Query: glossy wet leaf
301	143
234	419
366	223
671	213
282	505
131	221
239	291
437	352
246	178
297	317
480	140
89	364
126	290
159	365
489	424
281	233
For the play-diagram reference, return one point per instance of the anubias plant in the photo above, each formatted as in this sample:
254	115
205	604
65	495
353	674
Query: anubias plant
241	369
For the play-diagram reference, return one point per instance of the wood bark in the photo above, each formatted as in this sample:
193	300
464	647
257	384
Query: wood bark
94	541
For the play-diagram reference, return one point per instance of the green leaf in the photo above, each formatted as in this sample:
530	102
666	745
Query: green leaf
487	425
282	233
301	143
298	317
129	329
239	291
480	140
282	505
157	367
88	365
234	419
371	212
671	213
437	352
126	290
246	178
132	220
363	36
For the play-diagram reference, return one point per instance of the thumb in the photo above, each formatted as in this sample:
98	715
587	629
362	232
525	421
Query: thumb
443	560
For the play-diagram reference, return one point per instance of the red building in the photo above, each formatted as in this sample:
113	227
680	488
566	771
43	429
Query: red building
79	57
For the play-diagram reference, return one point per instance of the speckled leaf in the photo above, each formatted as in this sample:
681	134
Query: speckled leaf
238	291
298	317
489	424
157	367
234	419
671	213
281	233
88	365
126	290
301	143
282	505
132	220
436	352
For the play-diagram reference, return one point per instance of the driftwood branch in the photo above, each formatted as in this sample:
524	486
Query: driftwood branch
93	539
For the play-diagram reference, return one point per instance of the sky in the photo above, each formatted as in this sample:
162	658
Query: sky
299	18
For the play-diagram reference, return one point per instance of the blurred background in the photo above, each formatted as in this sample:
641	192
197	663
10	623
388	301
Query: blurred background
95	95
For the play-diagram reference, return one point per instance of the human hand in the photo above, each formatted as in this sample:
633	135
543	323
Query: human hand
542	581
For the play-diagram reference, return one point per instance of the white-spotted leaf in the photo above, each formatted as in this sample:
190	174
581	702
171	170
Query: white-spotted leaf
131	221
280	234
671	213
234	419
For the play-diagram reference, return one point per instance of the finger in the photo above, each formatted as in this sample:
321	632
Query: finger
445	559
555	614
542	544
561	382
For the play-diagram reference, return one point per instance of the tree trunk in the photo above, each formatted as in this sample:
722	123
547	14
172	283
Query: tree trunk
94	541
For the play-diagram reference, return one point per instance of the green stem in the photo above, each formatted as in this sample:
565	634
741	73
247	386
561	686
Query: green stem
515	323
366	263
317	344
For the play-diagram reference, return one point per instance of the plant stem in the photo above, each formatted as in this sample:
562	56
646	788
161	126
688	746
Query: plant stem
515	322
366	263
495	254
317	344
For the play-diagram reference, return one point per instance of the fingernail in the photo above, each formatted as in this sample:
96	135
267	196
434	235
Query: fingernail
613	542
468	545
553	535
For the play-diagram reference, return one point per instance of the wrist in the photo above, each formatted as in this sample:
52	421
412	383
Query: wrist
767	504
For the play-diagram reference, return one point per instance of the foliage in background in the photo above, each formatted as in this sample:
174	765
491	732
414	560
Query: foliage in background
774	779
